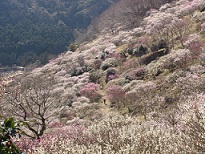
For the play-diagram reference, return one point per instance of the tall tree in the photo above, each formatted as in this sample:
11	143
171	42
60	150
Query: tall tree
32	101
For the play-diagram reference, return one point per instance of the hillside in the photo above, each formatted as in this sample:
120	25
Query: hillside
138	89
32	30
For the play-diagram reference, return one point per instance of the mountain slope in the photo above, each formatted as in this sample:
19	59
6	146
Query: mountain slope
150	80
146	62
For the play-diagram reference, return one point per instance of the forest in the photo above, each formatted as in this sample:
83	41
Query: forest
29	30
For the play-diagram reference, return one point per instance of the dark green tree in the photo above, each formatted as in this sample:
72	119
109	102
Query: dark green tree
9	129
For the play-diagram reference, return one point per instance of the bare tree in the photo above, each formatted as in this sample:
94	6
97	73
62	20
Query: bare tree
141	99
32	101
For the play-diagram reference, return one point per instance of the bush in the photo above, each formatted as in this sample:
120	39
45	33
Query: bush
9	129
136	74
140	51
110	62
111	74
91	91
159	45
130	51
95	76
73	47
116	95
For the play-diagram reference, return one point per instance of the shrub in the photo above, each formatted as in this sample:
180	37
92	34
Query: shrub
110	62
139	97
130	51
78	71
130	63
190	83
141	50
97	63
119	57
91	91
9	129
111	74
159	45
95	76
73	47
195	49
136	74
115	94
112	77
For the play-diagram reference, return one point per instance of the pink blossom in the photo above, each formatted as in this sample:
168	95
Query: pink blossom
115	93
112	77
91	91
136	73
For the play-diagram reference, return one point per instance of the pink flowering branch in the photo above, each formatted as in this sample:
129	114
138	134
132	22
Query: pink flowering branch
91	91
